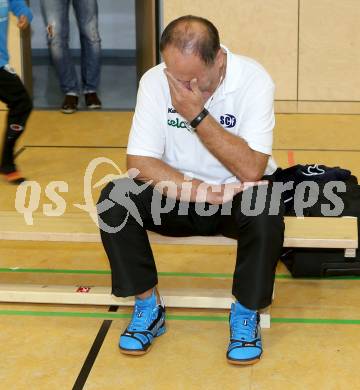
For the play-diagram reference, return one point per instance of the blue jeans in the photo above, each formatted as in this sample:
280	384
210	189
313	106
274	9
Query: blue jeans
56	15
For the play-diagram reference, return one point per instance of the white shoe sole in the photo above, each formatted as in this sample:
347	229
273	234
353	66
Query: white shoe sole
68	111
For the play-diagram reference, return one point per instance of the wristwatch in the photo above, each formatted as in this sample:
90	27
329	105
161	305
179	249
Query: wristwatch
197	120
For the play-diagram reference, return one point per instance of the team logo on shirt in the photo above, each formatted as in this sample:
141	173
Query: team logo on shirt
177	122
228	121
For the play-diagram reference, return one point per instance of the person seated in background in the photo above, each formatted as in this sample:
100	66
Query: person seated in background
56	15
204	123
12	90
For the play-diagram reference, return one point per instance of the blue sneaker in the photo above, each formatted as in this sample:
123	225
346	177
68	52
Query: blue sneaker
245	340
148	322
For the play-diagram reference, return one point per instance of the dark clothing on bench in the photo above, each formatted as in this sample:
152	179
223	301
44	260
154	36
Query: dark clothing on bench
260	240
297	174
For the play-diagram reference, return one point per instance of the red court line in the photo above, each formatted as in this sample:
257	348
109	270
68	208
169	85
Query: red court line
291	159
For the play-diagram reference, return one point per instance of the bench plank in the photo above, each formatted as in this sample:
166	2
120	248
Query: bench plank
95	295
308	232
299	232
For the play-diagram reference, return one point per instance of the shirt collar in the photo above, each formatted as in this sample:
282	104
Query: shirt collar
228	84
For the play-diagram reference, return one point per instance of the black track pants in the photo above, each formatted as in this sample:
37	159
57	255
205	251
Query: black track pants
260	239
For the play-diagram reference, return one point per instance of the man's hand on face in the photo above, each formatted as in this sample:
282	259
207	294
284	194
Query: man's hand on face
23	22
188	102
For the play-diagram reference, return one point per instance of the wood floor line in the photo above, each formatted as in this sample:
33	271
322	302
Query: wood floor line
86	110
160	273
315	150
76	146
176	317
18	152
125	147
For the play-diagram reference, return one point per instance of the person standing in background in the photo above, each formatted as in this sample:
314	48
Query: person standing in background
12	90
56	15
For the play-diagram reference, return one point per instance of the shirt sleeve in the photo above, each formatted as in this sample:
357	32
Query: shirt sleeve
147	134
259	120
18	8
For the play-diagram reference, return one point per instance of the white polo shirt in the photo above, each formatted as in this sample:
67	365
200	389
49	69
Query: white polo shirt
242	104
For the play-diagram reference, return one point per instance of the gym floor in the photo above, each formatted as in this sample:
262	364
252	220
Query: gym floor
314	338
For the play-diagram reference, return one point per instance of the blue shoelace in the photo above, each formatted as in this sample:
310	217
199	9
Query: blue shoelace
243	327
141	318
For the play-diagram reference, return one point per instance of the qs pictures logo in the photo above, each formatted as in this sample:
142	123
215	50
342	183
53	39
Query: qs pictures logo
28	195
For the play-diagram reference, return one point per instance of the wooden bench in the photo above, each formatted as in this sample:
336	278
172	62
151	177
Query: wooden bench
309	232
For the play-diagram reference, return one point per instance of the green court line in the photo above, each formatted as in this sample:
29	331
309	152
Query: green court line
196	274
110	315
333	321
108	272
55	271
287	276
166	274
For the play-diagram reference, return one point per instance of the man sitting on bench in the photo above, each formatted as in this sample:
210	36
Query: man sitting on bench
203	126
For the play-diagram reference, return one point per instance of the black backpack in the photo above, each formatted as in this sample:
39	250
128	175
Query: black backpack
303	262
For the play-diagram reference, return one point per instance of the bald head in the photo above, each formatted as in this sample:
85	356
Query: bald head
192	35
